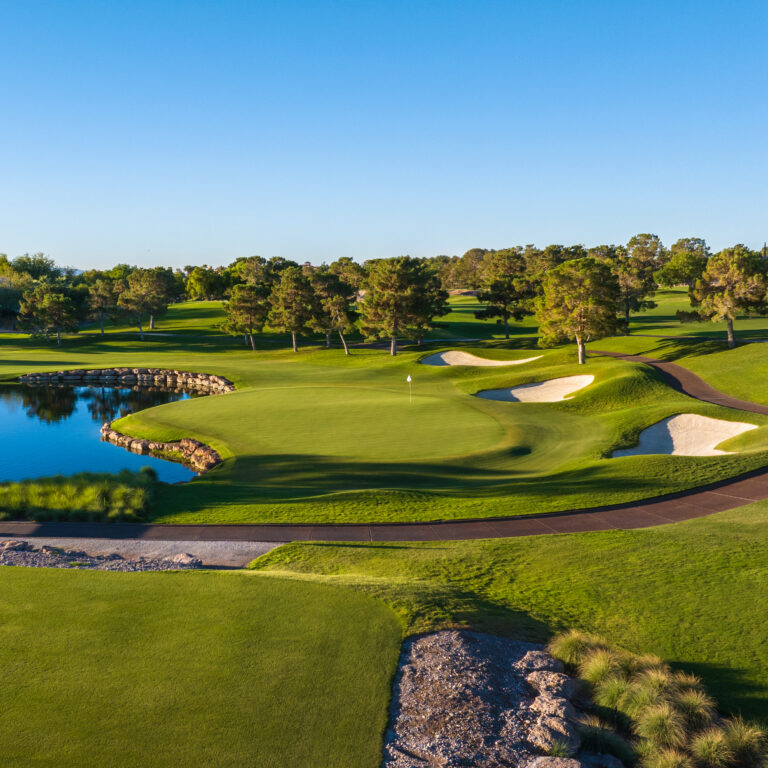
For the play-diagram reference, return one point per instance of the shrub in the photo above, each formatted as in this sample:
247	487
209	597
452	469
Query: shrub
598	665
82	497
668	758
662	725
559	749
710	749
596	737
696	707
746	742
666	718
611	691
572	646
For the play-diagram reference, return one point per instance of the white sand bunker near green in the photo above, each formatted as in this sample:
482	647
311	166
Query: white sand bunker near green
456	357
550	391
686	434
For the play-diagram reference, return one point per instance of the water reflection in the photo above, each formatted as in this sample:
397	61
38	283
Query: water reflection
54	404
54	430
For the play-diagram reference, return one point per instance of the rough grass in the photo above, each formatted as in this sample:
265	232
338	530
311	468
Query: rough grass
200	669
86	496
694	593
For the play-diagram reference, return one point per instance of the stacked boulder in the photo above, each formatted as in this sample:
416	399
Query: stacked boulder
136	378
196	455
193	453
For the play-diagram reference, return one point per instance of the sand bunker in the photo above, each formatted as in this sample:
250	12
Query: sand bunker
686	434
455	357
540	391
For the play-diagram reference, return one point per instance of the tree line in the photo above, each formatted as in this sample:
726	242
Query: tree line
576	294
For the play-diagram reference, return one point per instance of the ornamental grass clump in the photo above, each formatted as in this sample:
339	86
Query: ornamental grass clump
84	497
665	717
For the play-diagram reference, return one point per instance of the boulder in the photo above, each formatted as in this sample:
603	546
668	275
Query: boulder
14	545
555	706
535	660
184	558
599	760
552	683
549	731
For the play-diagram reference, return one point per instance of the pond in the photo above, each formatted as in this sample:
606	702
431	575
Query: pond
55	431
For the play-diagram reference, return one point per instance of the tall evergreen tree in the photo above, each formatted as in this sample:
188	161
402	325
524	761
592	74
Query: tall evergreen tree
293	303
46	309
508	291
733	283
401	294
247	310
333	310
578	303
102	300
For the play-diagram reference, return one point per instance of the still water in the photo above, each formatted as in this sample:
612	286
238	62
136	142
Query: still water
55	431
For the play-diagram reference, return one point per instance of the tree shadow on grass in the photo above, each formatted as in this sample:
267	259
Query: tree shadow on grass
734	692
264	481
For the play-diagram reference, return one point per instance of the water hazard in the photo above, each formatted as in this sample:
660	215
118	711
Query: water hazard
55	431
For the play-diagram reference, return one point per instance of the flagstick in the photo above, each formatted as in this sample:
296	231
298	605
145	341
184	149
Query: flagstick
410	390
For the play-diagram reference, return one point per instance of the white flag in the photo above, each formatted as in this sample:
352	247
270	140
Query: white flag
409	378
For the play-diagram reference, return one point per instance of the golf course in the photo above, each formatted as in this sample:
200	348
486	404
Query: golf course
290	663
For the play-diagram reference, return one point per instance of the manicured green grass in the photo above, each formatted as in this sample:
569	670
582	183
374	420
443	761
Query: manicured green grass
198	669
319	436
695	593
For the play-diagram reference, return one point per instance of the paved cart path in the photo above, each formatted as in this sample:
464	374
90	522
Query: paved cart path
697	502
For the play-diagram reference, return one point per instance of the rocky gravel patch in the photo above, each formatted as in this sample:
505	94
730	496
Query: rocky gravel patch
470	699
22	553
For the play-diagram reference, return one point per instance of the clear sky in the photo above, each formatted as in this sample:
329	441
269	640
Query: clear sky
190	132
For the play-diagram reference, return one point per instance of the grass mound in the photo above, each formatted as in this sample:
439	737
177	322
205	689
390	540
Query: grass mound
668	718
83	497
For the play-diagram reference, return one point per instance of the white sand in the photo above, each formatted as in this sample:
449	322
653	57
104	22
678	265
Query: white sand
686	434
540	391
456	357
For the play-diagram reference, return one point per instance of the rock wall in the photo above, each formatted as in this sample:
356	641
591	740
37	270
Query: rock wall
179	381
197	455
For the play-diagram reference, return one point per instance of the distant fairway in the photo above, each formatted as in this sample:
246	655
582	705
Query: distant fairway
321	437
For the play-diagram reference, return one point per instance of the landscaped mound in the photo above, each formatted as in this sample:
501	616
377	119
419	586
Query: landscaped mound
550	391
686	434
456	357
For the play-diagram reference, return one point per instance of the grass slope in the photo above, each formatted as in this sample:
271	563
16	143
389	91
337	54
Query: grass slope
203	669
696	593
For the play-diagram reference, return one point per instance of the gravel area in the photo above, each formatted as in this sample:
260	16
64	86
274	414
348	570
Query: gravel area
21	553
227	554
469	699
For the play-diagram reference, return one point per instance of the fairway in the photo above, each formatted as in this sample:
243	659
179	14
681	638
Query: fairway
203	669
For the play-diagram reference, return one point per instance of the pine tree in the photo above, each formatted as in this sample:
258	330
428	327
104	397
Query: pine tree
293	303
733	283
401	294
578	303
508	291
247	310
333	310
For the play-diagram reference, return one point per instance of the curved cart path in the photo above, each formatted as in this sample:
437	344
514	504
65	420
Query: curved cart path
698	502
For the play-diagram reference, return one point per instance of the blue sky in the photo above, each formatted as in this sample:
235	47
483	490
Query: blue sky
178	133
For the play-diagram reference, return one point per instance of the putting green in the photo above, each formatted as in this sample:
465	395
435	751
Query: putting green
359	422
